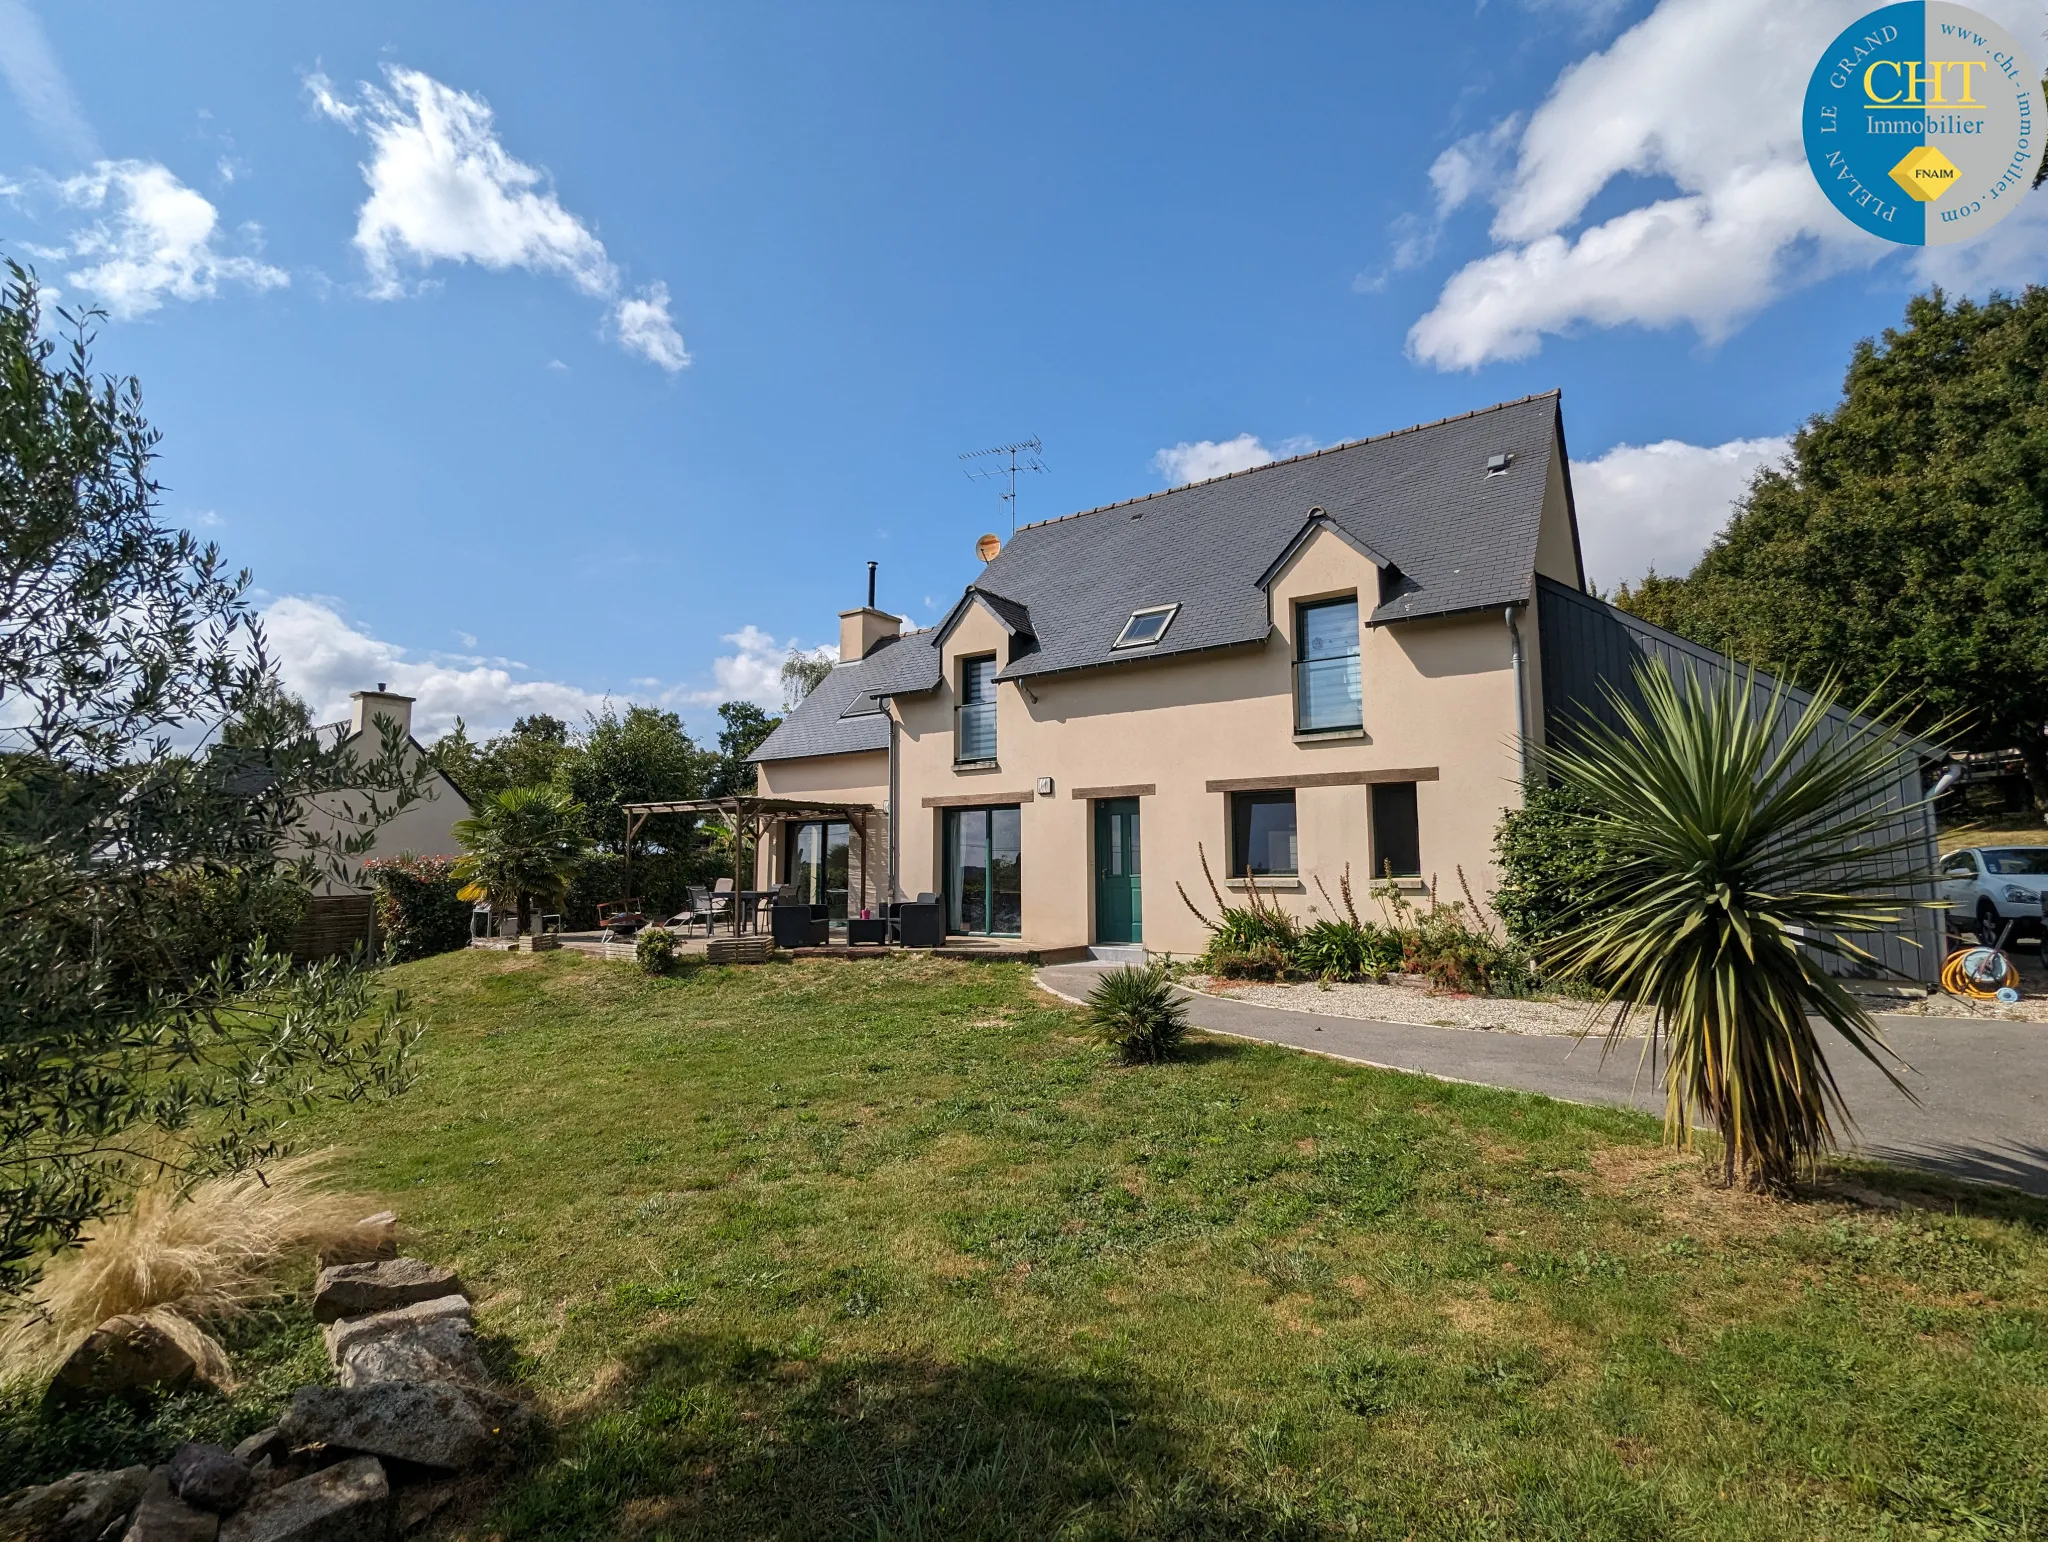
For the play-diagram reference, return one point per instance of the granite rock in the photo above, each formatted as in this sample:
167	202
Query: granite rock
83	1507
209	1476
356	1290
147	1349
348	1502
436	1424
427	1341
164	1517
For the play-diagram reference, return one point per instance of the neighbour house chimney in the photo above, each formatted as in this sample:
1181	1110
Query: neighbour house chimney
860	630
365	707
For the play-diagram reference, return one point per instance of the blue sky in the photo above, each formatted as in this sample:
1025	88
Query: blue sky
531	355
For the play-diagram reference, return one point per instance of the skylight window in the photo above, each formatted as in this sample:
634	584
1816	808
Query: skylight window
1146	626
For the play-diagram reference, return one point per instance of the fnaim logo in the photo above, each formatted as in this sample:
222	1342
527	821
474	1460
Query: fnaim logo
1923	123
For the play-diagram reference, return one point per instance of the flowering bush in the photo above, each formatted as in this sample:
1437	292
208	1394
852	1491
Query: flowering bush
417	908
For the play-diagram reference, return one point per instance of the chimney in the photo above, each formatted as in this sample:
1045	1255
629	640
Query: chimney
365	707
860	630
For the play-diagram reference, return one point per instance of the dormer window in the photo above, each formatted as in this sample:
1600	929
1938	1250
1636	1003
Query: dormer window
1145	627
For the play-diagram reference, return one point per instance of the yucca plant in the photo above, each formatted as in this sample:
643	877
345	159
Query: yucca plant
1138	1012
1745	846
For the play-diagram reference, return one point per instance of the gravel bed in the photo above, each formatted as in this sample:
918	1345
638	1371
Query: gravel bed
1541	1015
1411	1004
2028	1009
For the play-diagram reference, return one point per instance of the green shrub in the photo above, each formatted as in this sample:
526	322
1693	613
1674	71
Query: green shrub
655	949
204	914
1138	1013
1346	950
418	910
1451	943
1550	855
1252	941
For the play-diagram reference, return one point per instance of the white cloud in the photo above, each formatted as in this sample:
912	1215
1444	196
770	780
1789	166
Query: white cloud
1473	166
444	189
322	657
154	242
645	328
1659	505
1703	95
752	671
1206	458
1706	94
2013	252
38	82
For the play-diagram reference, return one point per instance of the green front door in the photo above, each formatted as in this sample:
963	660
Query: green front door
1118	908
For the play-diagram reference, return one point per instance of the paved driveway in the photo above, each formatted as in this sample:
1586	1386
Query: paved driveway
1982	1086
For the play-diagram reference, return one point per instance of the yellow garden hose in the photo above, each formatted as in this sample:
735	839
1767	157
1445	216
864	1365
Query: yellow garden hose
1980	974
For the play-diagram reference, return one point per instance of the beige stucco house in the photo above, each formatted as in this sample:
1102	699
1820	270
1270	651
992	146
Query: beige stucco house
1335	662
340	914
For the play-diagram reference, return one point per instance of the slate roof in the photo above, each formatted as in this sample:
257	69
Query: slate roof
1419	498
840	716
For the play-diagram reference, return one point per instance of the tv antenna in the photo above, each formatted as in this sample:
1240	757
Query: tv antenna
1021	456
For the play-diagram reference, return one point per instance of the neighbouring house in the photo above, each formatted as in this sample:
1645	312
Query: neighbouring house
1336	662
341	914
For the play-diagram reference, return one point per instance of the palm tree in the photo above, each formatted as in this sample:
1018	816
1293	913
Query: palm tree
1748	846
523	843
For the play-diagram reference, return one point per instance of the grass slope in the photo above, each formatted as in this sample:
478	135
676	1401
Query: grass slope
887	1250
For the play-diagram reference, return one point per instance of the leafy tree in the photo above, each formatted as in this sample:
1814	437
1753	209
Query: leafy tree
642	756
457	756
272	715
522	844
1905	542
1732	874
537	752
745	726
801	674
123	1041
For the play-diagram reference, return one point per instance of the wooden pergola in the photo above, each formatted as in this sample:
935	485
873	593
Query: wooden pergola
749	819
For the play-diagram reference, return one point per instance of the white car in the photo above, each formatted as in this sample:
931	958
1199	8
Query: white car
1989	888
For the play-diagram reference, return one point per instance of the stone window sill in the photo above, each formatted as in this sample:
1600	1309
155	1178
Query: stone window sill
1274	885
977	765
1328	735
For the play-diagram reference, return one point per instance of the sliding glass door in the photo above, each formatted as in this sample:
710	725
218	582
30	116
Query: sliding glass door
984	872
815	860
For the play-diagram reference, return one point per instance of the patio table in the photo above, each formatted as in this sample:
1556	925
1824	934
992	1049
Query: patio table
747	903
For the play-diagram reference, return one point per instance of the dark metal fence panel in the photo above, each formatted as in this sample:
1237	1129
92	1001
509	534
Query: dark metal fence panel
1588	646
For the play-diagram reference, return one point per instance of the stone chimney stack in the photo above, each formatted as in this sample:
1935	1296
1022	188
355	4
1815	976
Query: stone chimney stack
365	707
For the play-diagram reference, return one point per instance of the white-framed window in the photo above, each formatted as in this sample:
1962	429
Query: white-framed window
1146	626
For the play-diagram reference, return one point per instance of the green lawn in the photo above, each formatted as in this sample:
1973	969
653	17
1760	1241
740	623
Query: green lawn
889	1250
